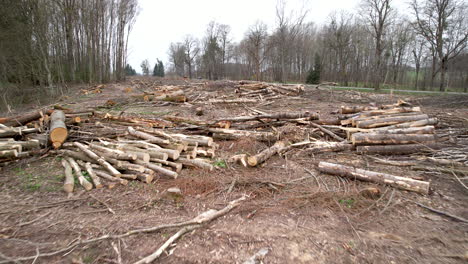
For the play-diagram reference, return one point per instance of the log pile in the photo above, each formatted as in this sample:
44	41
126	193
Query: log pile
144	155
390	130
267	90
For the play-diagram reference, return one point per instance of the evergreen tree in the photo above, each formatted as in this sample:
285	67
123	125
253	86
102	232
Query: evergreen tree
160	69
156	69
314	74
129	71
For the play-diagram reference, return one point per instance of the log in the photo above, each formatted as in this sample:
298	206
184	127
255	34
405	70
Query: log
328	132
93	176
106	176
391	139
58	132
11	146
69	183
409	130
387	121
419	123
194	140
85	183
279	116
265	154
176	166
147	178
356	109
25	145
76	155
22	119
232	101
229	134
147	137
390	111
12	153
143	154
197	163
357	119
397	149
128	176
100	160
17	131
113	153
377	177
157	168
325	146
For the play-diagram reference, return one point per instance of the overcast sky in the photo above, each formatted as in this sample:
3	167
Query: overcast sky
161	22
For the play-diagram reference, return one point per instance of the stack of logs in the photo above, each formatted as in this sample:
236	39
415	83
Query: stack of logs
144	155
395	130
14	144
168	93
267	90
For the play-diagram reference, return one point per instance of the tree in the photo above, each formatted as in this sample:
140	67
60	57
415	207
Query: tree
160	69
191	52
314	73
256	47
177	57
377	14
129	71
443	24
145	67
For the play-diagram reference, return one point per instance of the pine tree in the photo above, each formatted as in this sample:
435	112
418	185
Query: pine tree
160	68
314	74
156	69
129	71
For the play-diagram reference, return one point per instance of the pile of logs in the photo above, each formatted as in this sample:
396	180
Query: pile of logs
395	130
13	144
267	90
168	93
143	155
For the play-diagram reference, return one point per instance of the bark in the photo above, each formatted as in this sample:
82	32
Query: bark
325	146
13	153
265	154
230	134
113	153
356	109
147	137
22	119
17	131
176	166
69	183
419	123
409	130
85	183
197	163
99	160
279	116
93	176
158	169
108	177
377	177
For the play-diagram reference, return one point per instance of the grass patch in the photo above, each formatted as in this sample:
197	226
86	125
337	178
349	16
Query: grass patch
220	163
348	202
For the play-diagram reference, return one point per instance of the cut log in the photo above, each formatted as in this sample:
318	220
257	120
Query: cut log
93	176
229	134
176	166
76	155
356	109
146	178
12	153
17	131
69	183
409	130
232	101
157	168
108	177
128	176
143	154
387	121
419	123
194	140
197	163
265	154
11	146
328	132
113	153
147	137
325	146
355	120
371	176
58	132
100	160
85	183
390	111
25	145
397	149
391	139
21	120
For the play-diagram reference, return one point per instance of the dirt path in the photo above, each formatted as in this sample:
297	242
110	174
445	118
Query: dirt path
300	217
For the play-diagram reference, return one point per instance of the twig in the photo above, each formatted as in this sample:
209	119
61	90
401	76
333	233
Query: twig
200	219
34	220
328	132
458	179
458	218
104	203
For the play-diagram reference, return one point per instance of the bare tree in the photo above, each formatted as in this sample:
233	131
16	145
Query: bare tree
145	67
443	24
377	14
191	52
256	46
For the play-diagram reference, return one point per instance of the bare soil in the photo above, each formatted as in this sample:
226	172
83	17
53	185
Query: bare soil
299	217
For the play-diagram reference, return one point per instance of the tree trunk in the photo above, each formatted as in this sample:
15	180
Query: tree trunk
377	177
387	121
58	130
390	139
265	154
396	149
69	183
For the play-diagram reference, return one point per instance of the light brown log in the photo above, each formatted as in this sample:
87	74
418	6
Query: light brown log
355	120
109	177
93	176
192	140
100	160
171	153
11	146
176	166
325	146
197	163
121	164
58	132
69	183
409	130
113	153
26	145
328	132
12	153
390	111
328	121
17	131
76	155
389	121
85	183
377	177
147	137
397	149
158	169
146	178
143	154
128	176
279	116
229	134
356	109
419	123
391	139
232	101
265	154
22	119
210	153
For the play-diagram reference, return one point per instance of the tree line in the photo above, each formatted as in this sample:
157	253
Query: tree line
46	43
373	46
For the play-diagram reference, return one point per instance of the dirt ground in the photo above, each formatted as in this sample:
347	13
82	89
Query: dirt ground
299	214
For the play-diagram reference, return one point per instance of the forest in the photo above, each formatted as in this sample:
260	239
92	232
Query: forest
371	46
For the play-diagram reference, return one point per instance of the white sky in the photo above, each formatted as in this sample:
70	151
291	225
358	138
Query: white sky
161	22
